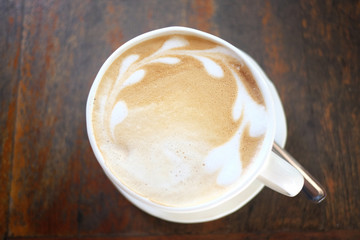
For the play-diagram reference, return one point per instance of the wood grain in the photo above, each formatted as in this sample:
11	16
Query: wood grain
333	235
11	15
335	107
51	185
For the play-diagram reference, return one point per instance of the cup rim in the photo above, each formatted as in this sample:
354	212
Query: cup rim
261	82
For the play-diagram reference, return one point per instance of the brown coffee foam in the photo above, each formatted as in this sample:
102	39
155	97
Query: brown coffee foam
250	83
202	104
183	103
249	146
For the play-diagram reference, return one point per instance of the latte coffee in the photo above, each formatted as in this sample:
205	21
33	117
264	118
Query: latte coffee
179	119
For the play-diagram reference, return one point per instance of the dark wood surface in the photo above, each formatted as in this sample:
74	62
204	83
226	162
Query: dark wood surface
51	185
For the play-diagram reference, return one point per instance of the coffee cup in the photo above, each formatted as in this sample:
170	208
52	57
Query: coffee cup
183	124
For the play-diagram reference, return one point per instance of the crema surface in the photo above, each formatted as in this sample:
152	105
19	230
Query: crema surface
179	119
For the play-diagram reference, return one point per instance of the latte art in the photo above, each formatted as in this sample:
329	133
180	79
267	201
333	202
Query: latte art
178	119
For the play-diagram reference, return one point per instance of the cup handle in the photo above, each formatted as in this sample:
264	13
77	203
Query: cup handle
281	177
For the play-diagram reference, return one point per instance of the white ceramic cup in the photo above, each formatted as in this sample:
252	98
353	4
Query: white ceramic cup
271	170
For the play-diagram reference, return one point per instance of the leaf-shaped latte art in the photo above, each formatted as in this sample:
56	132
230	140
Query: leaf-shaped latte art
180	121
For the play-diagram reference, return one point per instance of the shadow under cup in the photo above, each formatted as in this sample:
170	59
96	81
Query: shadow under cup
232	200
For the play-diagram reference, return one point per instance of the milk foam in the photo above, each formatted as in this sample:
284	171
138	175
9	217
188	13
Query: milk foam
126	64
174	42
134	78
177	123
211	67
167	60
118	114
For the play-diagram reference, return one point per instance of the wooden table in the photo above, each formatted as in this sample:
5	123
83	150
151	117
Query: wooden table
51	185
